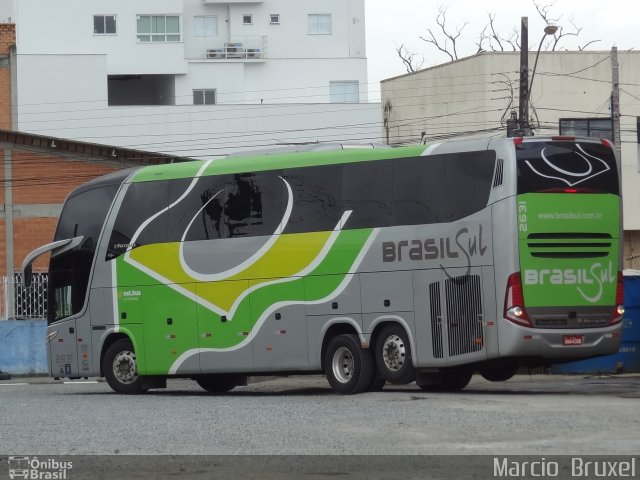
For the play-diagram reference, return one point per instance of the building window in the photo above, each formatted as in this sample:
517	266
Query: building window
274	19
247	19
587	127
104	24
204	96
205	26
158	28
344	91
320	24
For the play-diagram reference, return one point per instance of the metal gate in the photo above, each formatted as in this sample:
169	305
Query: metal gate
18	301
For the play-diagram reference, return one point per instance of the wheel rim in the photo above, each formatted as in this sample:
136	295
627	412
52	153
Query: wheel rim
124	367
342	365
394	353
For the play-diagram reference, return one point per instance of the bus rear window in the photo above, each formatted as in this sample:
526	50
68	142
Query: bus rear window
566	166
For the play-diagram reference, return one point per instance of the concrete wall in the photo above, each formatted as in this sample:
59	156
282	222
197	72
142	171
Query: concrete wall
22	347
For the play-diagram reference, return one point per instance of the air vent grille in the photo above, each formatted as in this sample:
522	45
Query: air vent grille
569	245
436	320
499	173
464	314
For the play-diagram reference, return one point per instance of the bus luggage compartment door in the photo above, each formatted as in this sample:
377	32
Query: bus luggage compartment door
63	352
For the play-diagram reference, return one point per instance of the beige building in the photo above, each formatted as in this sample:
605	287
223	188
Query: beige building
570	94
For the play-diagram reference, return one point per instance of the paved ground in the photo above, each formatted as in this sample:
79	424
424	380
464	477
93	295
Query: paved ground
537	415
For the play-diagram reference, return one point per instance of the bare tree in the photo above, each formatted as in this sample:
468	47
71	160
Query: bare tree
447	44
481	39
445	39
410	60
514	39
494	34
543	11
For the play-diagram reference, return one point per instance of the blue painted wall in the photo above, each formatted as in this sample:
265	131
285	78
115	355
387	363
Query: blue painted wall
22	347
627	360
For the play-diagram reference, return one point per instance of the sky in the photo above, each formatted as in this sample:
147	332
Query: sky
391	23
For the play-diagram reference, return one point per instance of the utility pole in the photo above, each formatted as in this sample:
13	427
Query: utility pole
9	292
523	114
615	100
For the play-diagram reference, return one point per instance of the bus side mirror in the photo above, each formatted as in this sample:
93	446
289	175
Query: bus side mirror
55	248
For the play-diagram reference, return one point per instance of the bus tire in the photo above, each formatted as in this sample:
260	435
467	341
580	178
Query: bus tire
348	366
451	380
121	369
498	373
377	383
456	379
393	355
219	383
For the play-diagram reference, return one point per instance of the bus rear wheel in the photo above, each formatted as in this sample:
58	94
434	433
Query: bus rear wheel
393	355
451	380
349	367
377	383
121	370
220	383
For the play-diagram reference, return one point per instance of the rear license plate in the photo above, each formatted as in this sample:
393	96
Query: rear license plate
572	340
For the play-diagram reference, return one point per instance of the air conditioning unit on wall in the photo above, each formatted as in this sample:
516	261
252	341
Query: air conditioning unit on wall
215	53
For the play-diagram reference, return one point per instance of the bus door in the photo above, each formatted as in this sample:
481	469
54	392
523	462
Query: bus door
84	345
63	354
457	315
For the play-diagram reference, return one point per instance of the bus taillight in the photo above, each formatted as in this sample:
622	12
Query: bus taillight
514	309
606	143
618	310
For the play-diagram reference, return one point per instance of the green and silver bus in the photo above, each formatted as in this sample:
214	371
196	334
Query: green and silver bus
423	263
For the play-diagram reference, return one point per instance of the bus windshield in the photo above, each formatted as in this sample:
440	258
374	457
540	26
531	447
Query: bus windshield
561	166
83	215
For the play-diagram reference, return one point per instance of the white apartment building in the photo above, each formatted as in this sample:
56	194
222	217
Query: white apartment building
570	95
191	77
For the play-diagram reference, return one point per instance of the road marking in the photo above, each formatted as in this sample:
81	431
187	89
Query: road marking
75	382
13	384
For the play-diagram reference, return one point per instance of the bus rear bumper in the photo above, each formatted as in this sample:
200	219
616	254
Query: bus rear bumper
518	341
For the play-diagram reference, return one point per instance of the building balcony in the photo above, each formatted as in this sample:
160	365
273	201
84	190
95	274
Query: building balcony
243	48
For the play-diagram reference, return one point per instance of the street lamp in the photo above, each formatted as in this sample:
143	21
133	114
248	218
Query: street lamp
548	30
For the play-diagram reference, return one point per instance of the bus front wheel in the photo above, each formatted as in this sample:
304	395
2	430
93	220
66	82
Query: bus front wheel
220	383
349	367
393	355
120	368
499	373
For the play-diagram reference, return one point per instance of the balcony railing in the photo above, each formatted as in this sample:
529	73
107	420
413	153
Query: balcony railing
238	48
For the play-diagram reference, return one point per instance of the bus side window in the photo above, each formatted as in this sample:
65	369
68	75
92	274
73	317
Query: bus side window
418	190
468	177
198	216
144	202
253	204
366	190
317	198
226	206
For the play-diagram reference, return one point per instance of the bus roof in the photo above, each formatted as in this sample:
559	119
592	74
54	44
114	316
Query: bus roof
273	161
